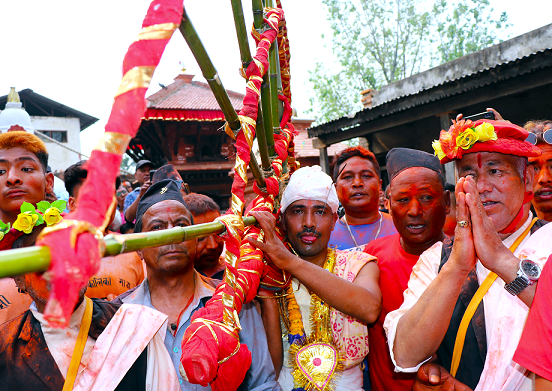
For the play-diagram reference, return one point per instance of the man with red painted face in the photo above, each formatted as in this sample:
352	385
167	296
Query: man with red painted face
344	281
356	173
23	178
418	204
492	264
542	186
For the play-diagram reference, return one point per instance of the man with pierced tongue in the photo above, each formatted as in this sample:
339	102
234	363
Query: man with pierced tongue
338	289
491	265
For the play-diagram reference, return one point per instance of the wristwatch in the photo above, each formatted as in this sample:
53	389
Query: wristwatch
528	273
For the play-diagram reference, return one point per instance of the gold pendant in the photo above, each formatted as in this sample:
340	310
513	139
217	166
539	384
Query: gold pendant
317	363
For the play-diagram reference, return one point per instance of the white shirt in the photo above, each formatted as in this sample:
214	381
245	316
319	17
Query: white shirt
426	270
61	342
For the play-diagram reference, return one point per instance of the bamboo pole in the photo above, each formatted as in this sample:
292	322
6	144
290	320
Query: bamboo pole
37	258
211	75
246	59
241	31
258	22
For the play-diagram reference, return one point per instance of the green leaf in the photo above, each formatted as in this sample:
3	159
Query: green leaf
3	225
40	220
43	206
59	205
27	207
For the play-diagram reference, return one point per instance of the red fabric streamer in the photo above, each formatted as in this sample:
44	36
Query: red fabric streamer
224	366
71	267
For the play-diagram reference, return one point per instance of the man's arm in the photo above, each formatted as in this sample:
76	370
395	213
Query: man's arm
130	212
421	330
261	375
360	299
271	322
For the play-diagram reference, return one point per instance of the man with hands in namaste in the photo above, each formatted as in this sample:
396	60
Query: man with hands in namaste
491	265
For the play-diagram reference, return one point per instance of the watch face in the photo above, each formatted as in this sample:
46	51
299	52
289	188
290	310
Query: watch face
531	269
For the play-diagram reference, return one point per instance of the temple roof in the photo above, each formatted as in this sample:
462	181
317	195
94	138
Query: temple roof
185	94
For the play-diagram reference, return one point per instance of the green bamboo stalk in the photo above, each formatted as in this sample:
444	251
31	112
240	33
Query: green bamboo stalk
261	139
37	258
211	75
246	59
258	22
241	31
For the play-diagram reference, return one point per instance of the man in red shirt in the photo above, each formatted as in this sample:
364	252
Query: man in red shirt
418	205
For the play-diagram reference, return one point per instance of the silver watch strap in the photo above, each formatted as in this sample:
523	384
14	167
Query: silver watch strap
517	286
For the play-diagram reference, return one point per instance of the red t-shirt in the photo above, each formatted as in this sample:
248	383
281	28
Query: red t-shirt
534	351
395	267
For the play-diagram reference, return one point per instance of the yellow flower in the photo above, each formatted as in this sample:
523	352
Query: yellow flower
438	150
52	216
485	132
466	139
25	222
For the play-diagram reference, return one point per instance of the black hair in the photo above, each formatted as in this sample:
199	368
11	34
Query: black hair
348	153
74	175
199	204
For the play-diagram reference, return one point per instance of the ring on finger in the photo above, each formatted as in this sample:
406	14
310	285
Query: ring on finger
463	224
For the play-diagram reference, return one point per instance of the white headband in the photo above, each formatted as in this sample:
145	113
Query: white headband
310	183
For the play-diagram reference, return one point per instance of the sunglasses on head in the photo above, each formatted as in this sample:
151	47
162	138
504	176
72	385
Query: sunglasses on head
545	136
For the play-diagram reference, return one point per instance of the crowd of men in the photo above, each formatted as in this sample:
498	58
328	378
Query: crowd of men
426	285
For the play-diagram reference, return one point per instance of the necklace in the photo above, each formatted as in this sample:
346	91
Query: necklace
351	232
315	359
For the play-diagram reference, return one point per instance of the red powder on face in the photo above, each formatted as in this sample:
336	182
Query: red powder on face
479	160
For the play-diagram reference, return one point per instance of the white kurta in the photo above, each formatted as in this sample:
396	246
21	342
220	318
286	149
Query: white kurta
498	305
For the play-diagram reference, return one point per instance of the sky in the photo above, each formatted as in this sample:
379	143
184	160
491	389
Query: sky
71	51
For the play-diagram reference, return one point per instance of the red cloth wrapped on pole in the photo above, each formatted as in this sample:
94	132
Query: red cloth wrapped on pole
211	352
74	243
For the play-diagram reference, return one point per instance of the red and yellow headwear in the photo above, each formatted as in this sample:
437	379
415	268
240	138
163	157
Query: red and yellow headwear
465	136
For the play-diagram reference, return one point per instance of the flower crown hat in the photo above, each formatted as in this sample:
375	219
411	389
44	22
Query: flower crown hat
465	137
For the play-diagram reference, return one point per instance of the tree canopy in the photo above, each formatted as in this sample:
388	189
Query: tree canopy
377	42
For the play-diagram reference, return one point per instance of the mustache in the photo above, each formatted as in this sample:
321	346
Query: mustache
309	231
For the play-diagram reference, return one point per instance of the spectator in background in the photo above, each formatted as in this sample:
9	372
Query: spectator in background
127	186
356	173
541	136
450	222
168	171
143	168
208	259
117	273
127	228
418	205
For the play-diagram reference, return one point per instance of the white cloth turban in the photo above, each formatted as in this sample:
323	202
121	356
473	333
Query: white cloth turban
310	183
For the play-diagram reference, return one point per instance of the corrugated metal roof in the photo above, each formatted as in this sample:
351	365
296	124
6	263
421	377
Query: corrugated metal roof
456	71
185	94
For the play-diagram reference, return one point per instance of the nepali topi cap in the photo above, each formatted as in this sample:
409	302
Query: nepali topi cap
164	190
400	159
484	135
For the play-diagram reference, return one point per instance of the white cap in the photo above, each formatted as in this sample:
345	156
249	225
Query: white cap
310	183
